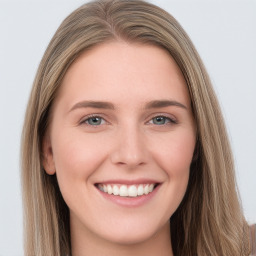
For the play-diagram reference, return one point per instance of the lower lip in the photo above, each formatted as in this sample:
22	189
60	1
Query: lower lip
129	201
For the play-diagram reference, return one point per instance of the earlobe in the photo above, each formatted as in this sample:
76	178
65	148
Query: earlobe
47	156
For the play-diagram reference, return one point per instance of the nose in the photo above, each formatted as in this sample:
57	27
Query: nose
130	150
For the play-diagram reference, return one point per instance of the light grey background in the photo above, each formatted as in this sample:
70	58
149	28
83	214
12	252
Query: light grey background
224	33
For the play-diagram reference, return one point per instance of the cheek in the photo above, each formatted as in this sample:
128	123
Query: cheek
175	153
76	158
73	153
174	157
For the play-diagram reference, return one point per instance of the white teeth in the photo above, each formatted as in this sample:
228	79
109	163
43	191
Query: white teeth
140	190
146	190
124	190
151	187
116	190
132	191
110	190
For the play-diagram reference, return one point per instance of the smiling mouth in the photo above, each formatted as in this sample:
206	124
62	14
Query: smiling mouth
122	190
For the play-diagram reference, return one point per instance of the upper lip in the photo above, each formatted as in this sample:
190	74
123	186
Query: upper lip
129	182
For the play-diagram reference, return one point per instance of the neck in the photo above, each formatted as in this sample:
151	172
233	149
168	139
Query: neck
86	243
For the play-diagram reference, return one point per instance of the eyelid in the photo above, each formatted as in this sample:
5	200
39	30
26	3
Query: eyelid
85	118
172	119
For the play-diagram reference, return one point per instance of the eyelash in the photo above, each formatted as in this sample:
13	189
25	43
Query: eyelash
169	119
85	121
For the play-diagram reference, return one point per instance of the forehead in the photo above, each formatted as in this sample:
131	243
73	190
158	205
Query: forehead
120	71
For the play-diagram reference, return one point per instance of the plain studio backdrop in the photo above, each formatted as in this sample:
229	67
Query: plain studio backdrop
224	32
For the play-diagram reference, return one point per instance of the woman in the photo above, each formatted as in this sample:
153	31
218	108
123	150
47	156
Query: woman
124	145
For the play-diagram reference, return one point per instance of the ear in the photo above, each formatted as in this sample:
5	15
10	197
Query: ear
48	160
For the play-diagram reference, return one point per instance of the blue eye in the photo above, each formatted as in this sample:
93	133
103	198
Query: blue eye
94	120
161	120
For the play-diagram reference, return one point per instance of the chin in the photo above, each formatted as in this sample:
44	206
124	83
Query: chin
129	233
131	238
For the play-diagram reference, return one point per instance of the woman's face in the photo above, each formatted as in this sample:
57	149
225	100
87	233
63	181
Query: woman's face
122	123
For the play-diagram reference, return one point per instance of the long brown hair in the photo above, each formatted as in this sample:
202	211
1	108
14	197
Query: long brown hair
209	220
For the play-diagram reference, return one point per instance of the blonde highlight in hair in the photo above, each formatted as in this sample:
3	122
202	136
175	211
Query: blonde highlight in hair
209	220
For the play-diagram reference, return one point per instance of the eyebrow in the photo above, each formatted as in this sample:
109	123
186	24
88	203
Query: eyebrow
164	103
108	105
93	104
